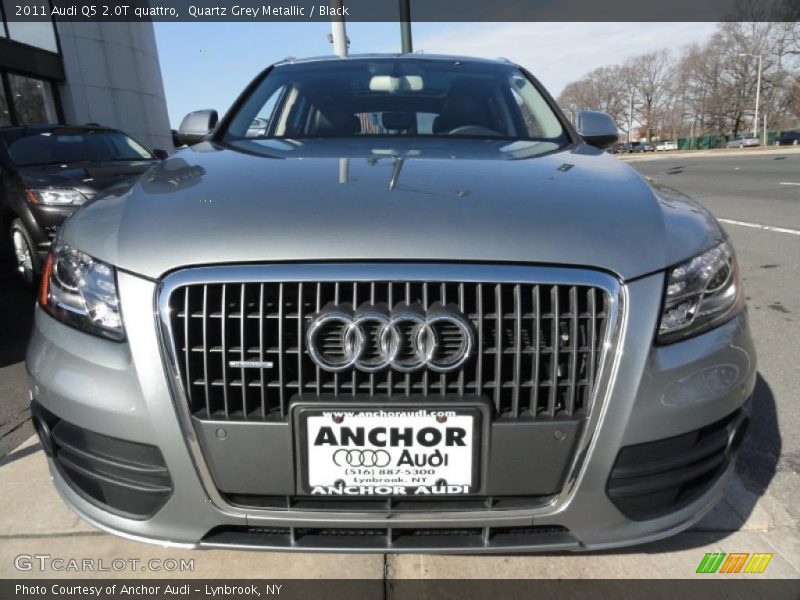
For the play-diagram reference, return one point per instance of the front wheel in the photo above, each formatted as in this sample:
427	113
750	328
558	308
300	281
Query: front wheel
27	261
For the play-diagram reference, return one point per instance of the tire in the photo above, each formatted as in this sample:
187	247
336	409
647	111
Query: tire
26	260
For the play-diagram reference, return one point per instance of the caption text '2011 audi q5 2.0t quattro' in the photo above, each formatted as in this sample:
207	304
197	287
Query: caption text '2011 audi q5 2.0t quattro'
392	303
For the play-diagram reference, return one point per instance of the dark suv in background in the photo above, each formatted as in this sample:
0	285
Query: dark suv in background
47	171
788	138
631	147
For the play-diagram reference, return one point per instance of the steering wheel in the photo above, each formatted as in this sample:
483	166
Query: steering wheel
473	130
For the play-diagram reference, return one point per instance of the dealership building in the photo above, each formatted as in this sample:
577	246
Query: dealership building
75	73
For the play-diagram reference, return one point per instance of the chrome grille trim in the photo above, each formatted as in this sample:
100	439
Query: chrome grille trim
607	364
559	325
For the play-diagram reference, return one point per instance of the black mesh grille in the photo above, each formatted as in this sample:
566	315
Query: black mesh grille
537	346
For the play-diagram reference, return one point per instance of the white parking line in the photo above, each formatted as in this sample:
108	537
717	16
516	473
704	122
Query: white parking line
758	226
790	182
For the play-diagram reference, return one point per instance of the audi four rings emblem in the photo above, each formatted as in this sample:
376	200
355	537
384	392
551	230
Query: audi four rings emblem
404	339
361	458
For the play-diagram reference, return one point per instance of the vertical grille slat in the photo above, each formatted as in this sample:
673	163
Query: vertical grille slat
318	307
224	346
281	352
554	352
425	305
187	345
443	376
517	350
480	350
462	308
389	382
354	377
206	385
592	340
536	349
573	341
371	375
261	325
536	327
243	347
300	382
498	346
408	375
336	301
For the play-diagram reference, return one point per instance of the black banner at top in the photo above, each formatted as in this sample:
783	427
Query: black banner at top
389	10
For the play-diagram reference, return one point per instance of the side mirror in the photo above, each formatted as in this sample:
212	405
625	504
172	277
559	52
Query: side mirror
596	128
197	125
160	154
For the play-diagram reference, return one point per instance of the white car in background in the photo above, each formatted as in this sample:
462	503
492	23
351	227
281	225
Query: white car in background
666	145
743	141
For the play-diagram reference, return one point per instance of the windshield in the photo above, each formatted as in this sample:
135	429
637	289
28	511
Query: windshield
71	146
407	97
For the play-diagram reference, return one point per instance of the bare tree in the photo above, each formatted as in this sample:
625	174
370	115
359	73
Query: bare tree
653	74
604	89
710	88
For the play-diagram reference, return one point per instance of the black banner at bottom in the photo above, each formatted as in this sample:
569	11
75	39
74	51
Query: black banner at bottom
401	589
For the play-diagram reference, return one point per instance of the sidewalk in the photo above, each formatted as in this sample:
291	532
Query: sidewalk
713	153
36	522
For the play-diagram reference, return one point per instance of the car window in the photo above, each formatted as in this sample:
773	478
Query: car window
396	97
72	146
262	121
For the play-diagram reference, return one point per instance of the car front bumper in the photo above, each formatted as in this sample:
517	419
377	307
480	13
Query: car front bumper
122	390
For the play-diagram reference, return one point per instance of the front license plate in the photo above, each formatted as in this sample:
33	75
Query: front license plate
390	452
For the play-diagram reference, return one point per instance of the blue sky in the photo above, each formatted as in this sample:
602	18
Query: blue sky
206	65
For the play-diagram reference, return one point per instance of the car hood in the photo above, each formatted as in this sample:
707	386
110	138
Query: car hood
89	178
466	200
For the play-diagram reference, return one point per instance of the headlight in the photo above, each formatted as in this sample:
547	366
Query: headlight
56	197
701	293
81	291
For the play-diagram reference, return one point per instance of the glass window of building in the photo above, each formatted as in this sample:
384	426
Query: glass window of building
33	100
5	114
34	33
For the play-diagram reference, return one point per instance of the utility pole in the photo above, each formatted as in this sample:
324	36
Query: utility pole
758	94
630	117
338	32
758	98
340	43
405	27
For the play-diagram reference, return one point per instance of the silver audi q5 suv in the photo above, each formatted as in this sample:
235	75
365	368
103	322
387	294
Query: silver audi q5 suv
392	303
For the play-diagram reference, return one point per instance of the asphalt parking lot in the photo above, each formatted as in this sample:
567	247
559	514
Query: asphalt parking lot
755	195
